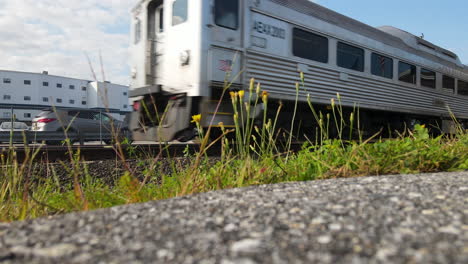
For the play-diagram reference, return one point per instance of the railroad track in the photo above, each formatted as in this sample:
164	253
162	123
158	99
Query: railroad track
53	153
48	153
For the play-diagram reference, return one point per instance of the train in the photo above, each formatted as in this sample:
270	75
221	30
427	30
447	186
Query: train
182	51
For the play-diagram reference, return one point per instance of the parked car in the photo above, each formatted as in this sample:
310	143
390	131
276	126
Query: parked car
79	121
17	126
6	127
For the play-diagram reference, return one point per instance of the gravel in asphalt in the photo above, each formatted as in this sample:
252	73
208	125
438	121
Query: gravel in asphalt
383	219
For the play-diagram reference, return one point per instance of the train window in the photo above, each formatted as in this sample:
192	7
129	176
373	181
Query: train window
179	12
463	88
350	57
382	66
448	84
428	78
406	72
137	31
160	19
310	46
227	13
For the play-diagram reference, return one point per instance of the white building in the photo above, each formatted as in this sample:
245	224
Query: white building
25	94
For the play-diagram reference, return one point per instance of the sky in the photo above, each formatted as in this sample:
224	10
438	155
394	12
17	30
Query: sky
60	35
444	23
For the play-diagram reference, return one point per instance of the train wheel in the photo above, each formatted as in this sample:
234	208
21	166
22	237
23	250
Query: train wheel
186	134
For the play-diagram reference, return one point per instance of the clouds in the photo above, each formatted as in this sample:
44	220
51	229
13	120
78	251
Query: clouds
55	35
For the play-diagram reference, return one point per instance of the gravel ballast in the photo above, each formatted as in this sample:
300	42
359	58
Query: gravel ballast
384	219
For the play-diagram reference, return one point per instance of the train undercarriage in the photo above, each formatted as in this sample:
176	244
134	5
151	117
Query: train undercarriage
167	117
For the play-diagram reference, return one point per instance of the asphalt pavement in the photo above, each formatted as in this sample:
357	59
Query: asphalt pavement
381	219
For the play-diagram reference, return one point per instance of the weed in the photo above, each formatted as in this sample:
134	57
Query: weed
251	158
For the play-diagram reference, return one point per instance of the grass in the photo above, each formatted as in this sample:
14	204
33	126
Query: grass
253	159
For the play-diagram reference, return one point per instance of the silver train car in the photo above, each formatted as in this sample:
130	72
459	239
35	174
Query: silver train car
181	51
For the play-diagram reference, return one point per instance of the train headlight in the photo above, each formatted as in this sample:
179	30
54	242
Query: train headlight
185	57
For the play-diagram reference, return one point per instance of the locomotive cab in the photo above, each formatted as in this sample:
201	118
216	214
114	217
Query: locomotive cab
181	51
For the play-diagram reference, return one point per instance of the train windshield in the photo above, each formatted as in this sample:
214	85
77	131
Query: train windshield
179	12
227	13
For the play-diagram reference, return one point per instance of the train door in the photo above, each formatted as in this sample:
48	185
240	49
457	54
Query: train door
156	40
226	38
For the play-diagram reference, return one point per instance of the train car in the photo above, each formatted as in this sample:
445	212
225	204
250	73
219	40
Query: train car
182	50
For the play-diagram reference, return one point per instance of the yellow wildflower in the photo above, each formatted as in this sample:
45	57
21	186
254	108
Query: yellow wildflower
233	94
265	95
241	94
196	118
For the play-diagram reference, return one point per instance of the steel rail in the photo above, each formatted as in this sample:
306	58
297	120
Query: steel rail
51	153
54	153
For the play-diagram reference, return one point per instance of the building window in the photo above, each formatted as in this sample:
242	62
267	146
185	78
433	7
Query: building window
125	93
179	12
381	66
448	84
227	13
72	87
45	83
350	57
83	88
27	82
45	99
6	97
6	80
406	72
125	106
59	100
428	78
71	101
27	115
462	88
27	98
310	46
59	85
6	114
83	102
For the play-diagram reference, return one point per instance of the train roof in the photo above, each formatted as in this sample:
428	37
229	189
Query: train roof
387	34
414	41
